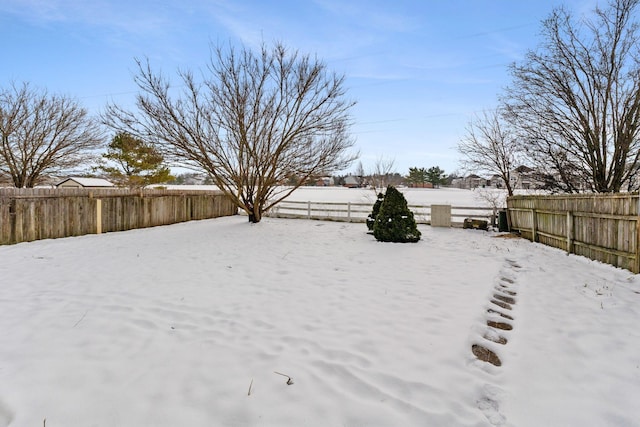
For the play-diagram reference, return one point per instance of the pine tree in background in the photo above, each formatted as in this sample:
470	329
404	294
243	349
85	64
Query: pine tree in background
374	212
395	222
133	163
436	176
417	176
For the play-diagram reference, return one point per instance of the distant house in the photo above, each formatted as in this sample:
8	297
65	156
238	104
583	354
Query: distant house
77	182
528	178
473	181
325	181
522	177
496	181
351	181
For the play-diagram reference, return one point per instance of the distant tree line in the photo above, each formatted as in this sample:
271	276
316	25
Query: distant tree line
419	176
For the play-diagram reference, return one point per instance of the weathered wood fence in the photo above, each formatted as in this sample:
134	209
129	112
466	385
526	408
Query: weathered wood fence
34	214
358	212
600	227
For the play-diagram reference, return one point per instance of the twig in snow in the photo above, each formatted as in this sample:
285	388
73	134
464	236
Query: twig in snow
85	313
289	380
249	393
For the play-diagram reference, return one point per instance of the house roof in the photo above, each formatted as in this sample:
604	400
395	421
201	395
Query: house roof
87	182
523	169
349	179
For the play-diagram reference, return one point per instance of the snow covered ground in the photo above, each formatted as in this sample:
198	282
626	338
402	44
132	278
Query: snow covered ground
187	325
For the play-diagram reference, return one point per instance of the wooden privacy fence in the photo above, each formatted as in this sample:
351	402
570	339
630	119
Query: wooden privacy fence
358	212
600	227
34	214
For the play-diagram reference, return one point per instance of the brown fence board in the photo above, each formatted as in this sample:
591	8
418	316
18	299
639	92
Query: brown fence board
34	214
602	227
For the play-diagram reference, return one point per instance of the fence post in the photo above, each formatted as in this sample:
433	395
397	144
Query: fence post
309	209
534	226
98	216
440	215
636	262
569	232
13	221
349	212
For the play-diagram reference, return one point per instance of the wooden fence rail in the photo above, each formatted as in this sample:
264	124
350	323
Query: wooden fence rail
600	227
358	212
34	214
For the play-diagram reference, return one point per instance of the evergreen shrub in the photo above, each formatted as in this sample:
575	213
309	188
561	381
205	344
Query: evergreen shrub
395	222
371	219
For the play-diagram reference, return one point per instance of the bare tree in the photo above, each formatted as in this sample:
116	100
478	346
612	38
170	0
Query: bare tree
496	199
383	169
490	146
42	134
576	100
360	174
255	122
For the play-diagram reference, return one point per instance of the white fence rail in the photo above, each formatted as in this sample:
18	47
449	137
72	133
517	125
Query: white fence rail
358	212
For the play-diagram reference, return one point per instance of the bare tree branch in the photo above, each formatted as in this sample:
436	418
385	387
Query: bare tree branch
490	146
576	100
42	134
383	168
255	122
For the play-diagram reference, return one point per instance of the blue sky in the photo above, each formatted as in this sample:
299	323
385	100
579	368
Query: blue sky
419	70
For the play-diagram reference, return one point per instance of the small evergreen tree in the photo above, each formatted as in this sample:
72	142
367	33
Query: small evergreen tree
395	222
133	163
417	176
436	176
374	212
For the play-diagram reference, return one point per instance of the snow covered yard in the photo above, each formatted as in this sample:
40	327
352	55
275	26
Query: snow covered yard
186	325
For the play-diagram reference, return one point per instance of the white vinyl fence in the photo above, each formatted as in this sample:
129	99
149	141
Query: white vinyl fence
358	212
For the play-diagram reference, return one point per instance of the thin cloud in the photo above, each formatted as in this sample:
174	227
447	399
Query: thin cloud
105	15
243	29
497	31
367	15
34	10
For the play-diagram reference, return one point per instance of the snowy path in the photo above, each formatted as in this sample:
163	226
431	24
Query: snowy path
490	343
